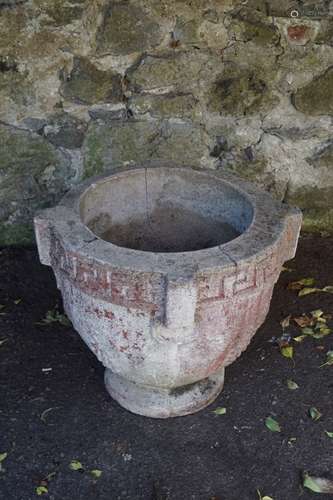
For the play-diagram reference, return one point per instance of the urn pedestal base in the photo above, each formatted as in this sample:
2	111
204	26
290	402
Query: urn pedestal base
162	402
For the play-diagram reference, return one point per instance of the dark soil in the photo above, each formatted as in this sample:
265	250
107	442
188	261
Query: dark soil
198	457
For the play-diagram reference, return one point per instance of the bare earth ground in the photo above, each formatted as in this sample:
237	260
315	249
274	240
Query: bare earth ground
199	457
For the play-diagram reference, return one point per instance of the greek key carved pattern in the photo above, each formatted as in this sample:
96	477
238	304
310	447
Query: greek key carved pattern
147	293
216	286
132	290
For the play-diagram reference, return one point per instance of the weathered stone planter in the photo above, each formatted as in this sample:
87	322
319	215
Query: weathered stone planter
166	272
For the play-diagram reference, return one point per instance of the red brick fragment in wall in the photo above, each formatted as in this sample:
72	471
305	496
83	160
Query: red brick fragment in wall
299	33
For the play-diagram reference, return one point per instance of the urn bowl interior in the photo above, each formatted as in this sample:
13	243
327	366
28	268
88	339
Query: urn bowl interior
165	210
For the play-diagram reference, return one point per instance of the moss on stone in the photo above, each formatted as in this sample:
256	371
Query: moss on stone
23	153
33	175
253	171
178	72
316	98
61	12
259	6
240	92
16	234
15	84
323	158
325	33
309	198
13	22
109	145
181	143
94	147
64	130
11	3
318	220
249	25
88	85
157	72
127	28
314	9
186	32
165	106
317	206
260	33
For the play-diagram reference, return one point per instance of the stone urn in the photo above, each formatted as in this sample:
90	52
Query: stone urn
166	272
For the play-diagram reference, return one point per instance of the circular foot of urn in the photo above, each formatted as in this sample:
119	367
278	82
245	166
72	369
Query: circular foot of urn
159	402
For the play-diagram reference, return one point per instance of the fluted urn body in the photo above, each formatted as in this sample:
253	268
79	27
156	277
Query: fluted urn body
166	272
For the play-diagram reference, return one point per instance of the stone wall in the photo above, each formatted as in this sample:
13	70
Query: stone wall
87	85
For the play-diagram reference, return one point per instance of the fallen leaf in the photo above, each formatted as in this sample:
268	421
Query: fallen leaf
307	331
303	321
96	473
317	313
285	322
287	351
50	476
2	341
292	385
321	332
46	412
298	285
220	411
317	484
260	497
287	269
291	441
323	329
272	424
75	465
300	338
314	413
307	291
3	457
322	326
41	490
54	316
329	434
17	301
329	359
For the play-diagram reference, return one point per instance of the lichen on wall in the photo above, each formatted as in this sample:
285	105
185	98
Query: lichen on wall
90	85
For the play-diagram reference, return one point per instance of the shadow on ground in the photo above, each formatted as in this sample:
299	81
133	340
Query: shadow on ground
54	408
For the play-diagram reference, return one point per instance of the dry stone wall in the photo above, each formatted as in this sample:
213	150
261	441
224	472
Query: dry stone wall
88	85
